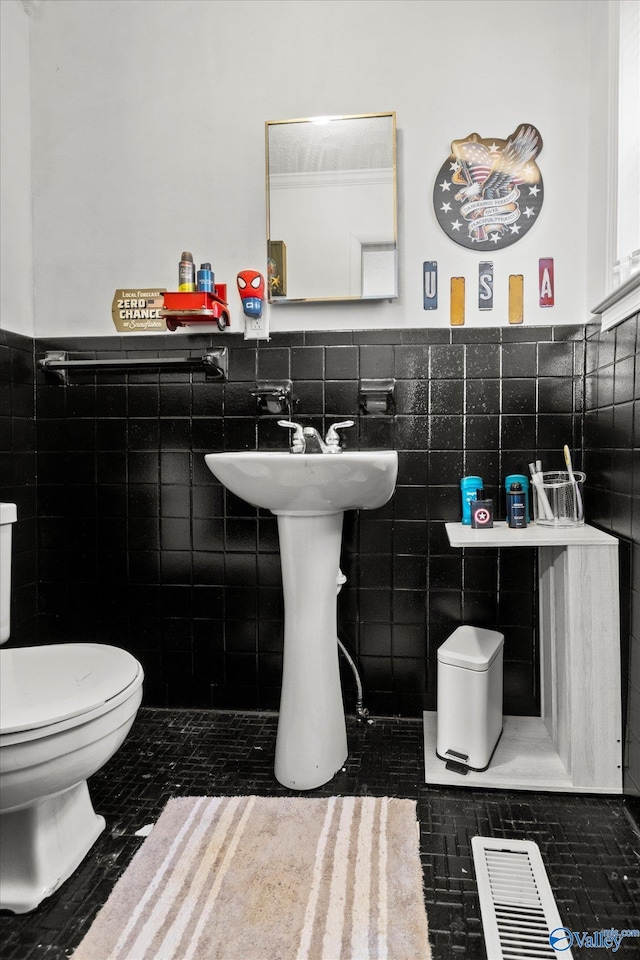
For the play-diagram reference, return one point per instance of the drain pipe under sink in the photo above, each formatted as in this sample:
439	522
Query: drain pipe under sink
362	713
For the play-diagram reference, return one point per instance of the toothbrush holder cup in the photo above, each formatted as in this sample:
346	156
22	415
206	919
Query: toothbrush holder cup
558	498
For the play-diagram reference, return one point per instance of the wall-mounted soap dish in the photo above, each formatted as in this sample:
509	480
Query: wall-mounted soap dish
273	398
376	398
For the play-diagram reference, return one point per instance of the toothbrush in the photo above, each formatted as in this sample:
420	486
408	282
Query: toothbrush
535	469
579	505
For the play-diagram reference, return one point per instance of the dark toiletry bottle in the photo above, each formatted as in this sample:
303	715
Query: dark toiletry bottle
186	273
205	278
516	506
481	511
524	481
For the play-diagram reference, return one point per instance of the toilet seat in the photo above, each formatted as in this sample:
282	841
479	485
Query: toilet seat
47	689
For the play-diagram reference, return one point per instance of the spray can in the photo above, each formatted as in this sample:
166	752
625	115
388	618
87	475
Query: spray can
205	278
524	483
186	273
468	488
516	508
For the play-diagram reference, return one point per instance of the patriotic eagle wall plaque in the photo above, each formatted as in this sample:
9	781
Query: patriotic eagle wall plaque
489	192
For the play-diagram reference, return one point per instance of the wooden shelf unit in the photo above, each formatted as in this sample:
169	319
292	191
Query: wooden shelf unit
576	744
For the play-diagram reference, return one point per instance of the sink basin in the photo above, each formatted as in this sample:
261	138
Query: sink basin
309	494
308	484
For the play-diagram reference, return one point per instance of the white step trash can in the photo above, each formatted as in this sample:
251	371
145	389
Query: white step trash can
469	718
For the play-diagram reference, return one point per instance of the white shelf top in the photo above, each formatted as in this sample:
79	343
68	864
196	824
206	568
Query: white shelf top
533	535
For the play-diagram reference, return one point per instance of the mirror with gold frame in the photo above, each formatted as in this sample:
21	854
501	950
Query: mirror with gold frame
331	208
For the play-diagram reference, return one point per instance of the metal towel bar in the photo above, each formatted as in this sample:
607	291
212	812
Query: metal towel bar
215	363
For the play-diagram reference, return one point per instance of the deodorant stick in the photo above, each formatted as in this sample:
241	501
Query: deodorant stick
468	488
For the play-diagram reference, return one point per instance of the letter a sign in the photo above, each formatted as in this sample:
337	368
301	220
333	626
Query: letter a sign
546	281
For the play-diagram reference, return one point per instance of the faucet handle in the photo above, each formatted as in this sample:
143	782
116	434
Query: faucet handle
332	439
298	442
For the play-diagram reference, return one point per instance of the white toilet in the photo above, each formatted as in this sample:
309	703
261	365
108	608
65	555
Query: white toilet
64	711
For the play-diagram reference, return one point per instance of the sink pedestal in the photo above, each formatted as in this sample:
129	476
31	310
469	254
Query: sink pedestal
311	744
309	494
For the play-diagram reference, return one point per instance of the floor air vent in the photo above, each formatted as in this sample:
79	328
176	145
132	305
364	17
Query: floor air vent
519	911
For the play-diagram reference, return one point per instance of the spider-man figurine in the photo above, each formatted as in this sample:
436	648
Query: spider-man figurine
251	290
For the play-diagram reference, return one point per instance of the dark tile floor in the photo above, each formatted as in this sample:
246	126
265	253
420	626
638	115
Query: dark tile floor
589	844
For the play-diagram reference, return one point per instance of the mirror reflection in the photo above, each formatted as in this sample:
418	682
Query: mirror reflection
331	208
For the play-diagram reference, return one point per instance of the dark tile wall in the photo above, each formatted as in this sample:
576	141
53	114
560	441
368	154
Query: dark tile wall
138	545
18	474
612	464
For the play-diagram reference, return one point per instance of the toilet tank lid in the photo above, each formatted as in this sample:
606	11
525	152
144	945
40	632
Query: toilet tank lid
8	513
47	684
473	648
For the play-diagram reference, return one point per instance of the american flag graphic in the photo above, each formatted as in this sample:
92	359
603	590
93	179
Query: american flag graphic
475	158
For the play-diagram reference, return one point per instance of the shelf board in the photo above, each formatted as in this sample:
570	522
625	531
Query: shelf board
533	535
525	759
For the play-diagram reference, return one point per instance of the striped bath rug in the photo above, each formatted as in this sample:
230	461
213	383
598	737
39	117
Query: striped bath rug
270	878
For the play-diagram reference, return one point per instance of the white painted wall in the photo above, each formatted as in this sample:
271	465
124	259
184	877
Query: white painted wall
602	200
148	138
16	266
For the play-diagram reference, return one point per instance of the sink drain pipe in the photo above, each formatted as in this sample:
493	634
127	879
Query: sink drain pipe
361	711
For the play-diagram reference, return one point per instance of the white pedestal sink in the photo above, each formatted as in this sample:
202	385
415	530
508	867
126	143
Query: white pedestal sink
309	494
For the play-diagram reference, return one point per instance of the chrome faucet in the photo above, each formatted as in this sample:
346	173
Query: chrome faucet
308	440
298	442
313	442
332	440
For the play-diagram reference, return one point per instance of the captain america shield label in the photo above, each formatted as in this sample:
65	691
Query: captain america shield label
489	192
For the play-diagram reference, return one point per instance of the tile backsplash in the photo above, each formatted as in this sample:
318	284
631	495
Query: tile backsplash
18	477
138	544
612	464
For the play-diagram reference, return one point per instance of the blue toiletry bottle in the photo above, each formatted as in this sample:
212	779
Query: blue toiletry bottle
468	488
205	278
524	484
